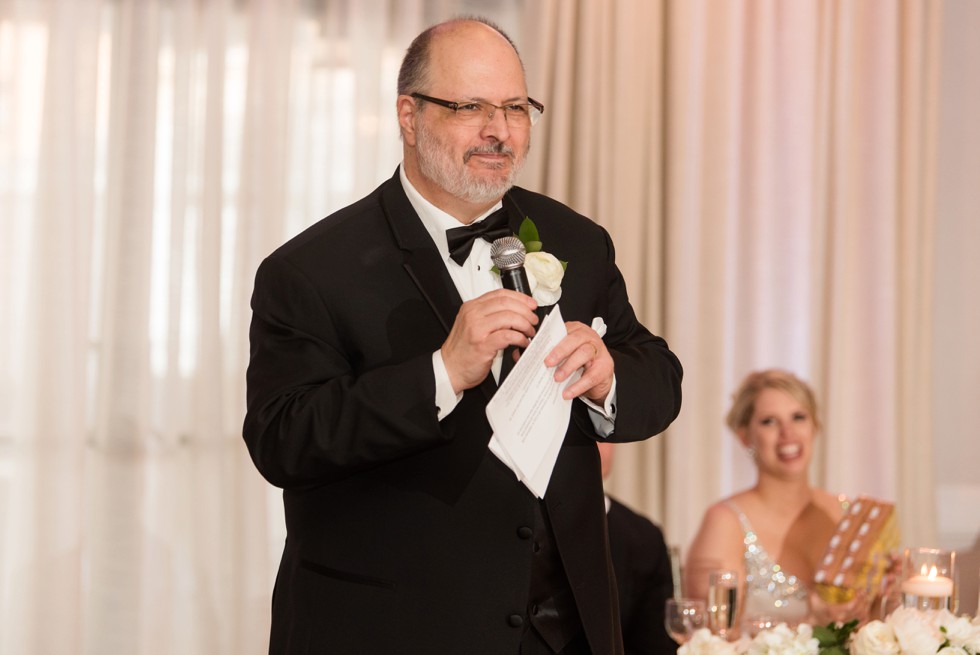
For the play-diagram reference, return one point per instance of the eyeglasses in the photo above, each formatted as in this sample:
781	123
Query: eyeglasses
477	114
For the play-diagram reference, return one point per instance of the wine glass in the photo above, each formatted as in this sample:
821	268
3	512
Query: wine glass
723	602
683	617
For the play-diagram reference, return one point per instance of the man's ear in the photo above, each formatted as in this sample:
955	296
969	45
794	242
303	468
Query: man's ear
406	109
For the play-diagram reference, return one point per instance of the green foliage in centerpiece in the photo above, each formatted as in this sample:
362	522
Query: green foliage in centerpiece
833	638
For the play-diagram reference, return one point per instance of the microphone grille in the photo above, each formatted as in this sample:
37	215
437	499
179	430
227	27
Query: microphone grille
507	253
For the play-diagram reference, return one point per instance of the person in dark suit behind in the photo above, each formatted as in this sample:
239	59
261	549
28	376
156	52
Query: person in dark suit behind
375	345
644	578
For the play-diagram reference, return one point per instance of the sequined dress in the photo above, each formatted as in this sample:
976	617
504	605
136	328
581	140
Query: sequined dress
770	591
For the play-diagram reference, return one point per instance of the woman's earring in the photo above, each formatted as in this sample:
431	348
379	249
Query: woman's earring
752	453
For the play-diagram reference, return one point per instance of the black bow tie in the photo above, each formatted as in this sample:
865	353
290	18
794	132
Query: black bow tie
489	229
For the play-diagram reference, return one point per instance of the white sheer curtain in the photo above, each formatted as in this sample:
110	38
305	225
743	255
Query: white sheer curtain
151	152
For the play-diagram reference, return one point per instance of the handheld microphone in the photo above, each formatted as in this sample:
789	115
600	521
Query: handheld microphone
508	255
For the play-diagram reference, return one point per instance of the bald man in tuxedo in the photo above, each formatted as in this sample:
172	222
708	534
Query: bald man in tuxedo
377	340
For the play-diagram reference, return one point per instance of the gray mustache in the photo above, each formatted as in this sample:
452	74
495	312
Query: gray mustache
492	149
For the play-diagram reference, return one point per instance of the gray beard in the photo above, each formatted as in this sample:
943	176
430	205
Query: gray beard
456	180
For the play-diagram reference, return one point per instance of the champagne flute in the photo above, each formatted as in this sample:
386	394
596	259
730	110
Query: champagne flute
683	617
723	602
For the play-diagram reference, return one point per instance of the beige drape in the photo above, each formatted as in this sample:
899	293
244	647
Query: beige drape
767	170
600	149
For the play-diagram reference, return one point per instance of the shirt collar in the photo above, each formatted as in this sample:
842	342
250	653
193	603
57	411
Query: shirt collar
435	221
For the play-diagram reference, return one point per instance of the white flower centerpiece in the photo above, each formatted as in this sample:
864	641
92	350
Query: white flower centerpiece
775	641
905	631
908	631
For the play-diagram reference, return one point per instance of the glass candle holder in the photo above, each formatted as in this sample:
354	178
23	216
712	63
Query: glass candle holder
929	579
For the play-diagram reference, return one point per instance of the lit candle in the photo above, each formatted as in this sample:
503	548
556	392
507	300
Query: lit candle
930	585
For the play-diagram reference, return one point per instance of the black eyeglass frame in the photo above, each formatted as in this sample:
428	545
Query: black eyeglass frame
449	104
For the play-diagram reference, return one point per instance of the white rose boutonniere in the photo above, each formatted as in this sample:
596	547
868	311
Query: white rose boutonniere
544	274
544	271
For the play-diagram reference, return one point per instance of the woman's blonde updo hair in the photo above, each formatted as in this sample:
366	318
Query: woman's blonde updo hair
743	400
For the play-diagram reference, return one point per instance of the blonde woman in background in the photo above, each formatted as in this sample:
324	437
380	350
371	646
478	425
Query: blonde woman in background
774	533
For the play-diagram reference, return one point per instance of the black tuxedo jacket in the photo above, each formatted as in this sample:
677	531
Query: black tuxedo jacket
404	533
642	565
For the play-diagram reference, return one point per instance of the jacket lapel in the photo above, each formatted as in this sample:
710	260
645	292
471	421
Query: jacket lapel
422	261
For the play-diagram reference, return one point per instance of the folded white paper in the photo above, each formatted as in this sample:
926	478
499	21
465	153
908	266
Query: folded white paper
528	415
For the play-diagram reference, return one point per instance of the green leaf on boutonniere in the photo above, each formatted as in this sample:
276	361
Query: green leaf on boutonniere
528	234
